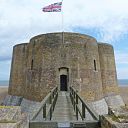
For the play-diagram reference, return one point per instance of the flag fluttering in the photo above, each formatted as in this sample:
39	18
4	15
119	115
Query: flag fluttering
56	7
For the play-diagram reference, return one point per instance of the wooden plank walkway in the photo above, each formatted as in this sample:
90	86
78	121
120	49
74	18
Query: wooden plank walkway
63	110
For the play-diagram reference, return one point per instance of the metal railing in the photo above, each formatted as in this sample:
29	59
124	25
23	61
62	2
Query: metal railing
47	106
80	106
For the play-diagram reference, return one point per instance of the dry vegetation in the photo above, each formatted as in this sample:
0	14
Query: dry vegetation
124	94
3	93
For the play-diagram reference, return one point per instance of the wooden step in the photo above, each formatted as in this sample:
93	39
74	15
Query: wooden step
63	109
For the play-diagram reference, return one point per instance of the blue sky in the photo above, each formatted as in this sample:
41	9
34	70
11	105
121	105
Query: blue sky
106	20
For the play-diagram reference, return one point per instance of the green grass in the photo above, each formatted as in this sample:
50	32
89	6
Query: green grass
7	121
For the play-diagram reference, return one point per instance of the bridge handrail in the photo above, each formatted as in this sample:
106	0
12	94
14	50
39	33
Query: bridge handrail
51	98
74	98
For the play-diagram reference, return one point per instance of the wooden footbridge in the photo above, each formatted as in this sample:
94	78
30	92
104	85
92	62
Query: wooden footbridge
64	109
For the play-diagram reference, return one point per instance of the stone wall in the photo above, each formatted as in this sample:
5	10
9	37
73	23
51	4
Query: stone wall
11	117
106	122
17	75
116	118
108	69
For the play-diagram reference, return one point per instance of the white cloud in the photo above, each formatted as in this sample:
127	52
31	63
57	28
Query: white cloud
109	16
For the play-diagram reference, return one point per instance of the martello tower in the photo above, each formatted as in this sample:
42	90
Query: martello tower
63	60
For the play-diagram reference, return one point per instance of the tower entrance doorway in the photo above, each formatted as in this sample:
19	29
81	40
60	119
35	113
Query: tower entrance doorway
63	79
63	82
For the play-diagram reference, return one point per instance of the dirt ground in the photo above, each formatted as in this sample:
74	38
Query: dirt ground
124	93
3	93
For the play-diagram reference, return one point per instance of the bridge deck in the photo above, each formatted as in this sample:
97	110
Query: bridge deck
64	110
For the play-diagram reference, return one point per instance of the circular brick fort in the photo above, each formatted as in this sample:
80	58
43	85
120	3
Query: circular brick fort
64	60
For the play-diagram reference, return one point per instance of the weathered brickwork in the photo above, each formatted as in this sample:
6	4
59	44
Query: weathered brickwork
36	66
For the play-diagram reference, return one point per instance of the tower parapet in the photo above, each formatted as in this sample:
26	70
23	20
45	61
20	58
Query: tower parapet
108	69
18	66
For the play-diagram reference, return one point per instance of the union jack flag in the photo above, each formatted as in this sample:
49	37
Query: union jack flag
56	7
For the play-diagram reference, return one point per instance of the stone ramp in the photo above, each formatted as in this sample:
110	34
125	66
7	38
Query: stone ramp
63	110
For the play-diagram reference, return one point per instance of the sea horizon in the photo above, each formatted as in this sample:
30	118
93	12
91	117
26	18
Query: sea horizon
4	82
121	82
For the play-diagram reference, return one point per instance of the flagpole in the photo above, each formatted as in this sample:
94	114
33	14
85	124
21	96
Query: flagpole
62	24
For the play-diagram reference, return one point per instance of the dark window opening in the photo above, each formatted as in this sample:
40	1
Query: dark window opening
32	65
95	65
63	82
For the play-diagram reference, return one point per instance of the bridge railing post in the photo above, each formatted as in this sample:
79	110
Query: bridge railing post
74	100
50	98
51	113
80	106
83	111
47	105
53	94
77	116
71	95
44	111
54	102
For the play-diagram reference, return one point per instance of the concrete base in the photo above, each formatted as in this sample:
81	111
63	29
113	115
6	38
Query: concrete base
30	107
114	101
12	100
100	107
